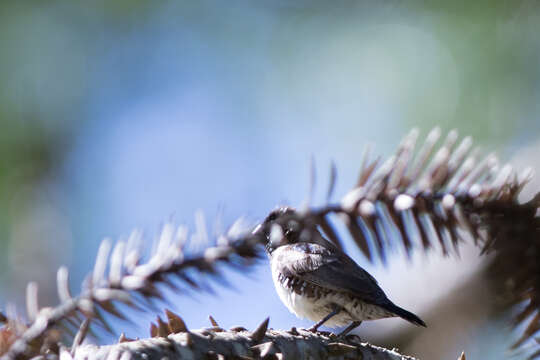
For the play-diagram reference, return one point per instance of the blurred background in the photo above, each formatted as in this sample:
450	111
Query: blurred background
117	115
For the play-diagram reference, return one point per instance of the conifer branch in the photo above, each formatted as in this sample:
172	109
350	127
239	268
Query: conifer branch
437	197
173	342
130	281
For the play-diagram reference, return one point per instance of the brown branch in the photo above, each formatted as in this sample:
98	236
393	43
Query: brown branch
127	275
216	343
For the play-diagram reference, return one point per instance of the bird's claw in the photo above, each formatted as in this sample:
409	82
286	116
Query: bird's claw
349	338
313	329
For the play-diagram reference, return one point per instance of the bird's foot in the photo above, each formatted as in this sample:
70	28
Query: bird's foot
348	337
349	328
315	330
312	329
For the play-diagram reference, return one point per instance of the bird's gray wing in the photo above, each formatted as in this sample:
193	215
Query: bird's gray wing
330	270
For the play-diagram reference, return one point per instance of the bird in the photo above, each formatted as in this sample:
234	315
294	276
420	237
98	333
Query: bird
317	280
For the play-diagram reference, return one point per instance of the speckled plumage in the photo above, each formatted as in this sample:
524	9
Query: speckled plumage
308	300
313	278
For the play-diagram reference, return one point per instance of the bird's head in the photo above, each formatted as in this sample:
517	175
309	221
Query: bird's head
285	226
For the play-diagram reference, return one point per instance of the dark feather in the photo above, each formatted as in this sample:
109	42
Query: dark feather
407	315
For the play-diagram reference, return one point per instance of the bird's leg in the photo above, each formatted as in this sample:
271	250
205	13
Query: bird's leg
336	309
349	328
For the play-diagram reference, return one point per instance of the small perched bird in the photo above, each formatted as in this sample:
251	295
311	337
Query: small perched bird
317	280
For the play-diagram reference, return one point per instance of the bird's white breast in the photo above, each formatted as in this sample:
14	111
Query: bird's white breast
300	305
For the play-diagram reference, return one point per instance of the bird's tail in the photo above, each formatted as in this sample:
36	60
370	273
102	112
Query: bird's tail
409	316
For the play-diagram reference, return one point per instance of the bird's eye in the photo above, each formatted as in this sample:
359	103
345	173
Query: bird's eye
288	234
291	236
272	216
